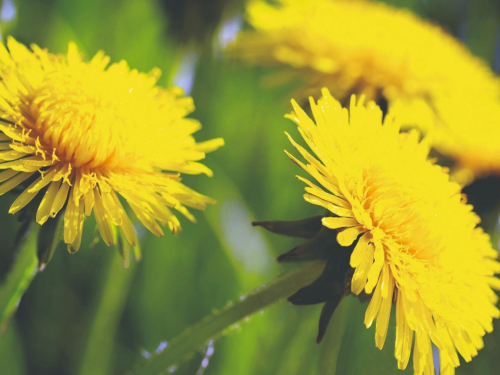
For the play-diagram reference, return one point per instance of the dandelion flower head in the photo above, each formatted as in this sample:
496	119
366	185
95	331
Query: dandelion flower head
363	47
418	245
79	133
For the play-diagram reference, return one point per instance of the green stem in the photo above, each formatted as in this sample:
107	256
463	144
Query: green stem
333	340
99	346
23	271
196	337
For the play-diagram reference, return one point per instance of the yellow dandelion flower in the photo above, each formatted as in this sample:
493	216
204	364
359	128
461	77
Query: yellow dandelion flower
81	132
355	47
418	244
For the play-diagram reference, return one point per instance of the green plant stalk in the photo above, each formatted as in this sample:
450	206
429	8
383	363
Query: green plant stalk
212	326
23	271
333	341
99	346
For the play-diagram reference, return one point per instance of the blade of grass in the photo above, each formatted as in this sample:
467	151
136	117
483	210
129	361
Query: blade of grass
12	352
24	269
214	325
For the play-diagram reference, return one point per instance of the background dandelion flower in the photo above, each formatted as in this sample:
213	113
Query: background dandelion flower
418	244
84	131
387	54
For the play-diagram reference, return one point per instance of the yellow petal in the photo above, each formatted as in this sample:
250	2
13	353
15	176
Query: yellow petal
404	335
60	199
24	198
359	278
103	222
126	226
13	182
360	249
43	211
349	235
209	146
383	318
373	307
378	263
71	219
339	222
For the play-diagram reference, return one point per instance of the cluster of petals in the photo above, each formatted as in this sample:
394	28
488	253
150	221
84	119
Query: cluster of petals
77	133
370	48
417	243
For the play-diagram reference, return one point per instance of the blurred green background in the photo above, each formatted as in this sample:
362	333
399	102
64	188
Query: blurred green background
86	314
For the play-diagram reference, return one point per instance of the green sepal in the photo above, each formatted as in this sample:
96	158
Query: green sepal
335	280
326	315
318	247
51	233
305	228
333	284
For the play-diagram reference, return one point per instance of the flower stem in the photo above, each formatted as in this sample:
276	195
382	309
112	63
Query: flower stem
213	325
333	341
99	347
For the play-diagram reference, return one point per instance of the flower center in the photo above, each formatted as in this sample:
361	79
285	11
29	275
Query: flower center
76	120
402	207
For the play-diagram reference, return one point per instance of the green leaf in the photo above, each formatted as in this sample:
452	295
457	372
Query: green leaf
23	271
12	353
193	338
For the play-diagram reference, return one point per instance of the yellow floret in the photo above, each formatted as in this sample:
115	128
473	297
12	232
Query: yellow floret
360	47
84	131
418	243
